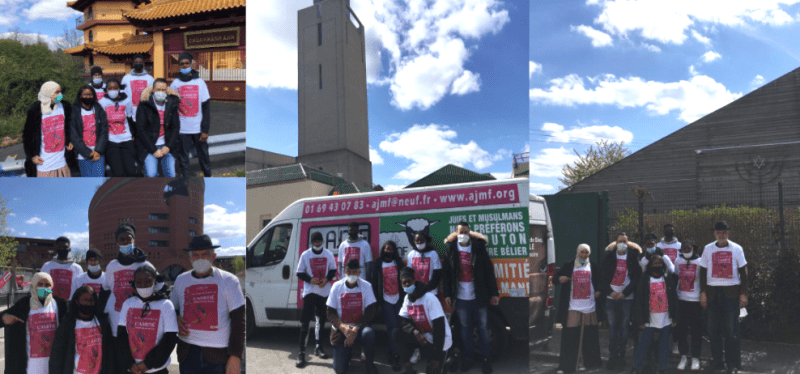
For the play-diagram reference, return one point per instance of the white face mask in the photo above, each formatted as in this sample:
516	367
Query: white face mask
421	246
145	292
463	238
113	94
160	96
94	268
201	266
687	255
622	248
352	279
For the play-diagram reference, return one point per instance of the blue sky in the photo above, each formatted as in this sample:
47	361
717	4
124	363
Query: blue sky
40	208
473	113
633	71
46	17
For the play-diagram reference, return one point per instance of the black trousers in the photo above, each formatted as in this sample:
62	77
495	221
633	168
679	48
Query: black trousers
313	305
121	158
570	339
690	320
192	141
406	344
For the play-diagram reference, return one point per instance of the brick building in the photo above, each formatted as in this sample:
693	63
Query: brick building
33	253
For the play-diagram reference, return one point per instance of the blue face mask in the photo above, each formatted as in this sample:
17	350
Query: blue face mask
581	261
97	80
186	71
126	249
43	292
409	290
58	98
651	250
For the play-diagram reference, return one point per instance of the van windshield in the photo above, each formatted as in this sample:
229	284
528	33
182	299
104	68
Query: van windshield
271	248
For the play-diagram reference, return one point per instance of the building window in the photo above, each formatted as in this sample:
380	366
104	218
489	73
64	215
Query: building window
158	230
320	76
319	34
91	14
193	220
158	243
265	222
158	216
91	36
91	60
192	233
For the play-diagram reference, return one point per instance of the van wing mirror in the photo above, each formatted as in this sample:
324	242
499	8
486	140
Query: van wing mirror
287	272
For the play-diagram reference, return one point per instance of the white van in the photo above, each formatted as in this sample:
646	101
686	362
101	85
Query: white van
542	269
497	209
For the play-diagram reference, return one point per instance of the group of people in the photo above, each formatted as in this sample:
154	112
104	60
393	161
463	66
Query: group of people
124	319
137	121
404	294
661	290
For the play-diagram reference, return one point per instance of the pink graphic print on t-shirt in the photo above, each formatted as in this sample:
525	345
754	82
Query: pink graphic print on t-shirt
42	330
53	131
351	253
116	119
722	265
390	287
688	276
581	285
621	273
142	332
95	286
62	282
89	346
319	267
352	307
137	86
100	94
89	130
190	100
122	287
161	118
658	297
672	253
417	314
422	269
465	270
200	307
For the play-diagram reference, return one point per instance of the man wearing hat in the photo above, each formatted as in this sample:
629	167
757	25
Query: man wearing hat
195	115
351	309
97	82
723	290
316	268
210	308
63	270
94	277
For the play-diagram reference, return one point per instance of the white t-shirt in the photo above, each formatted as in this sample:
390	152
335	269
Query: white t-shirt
359	250
193	94
96	284
54	139
118	129
659	304
422	312
424	264
581	296
391	288
206	305
134	85
101	92
689	279
316	266
118	281
40	332
671	250
88	347
161	109
350	303
723	264
621	277
64	277
670	266
466	284
89	130
145	333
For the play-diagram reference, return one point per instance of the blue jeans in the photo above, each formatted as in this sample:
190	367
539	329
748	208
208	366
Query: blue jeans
167	163
390	314
341	354
196	363
619	314
91	168
644	345
467	310
723	322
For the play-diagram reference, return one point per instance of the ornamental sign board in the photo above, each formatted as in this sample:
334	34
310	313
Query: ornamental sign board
211	38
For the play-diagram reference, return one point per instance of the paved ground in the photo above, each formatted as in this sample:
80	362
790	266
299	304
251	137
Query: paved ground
274	350
757	357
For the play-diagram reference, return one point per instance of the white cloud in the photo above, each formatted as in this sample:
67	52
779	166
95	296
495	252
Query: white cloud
502	175
429	147
11	230
230	251
534	68
12	214
693	71
711	56
23	234
229	203
393	187
36	221
375	157
78	240
549	161
758	81
50	9
220	224
468	82
540	187
651	48
599	38
586	134
692	98
700	38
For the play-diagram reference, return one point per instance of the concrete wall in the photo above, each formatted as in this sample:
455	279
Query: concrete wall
267	201
256	159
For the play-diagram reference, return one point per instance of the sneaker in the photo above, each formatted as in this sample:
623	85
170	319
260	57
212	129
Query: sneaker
320	353
415	357
301	360
675	350
466	365
486	366
395	361
682	364
695	364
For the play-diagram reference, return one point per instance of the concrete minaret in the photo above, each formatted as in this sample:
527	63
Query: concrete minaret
332	91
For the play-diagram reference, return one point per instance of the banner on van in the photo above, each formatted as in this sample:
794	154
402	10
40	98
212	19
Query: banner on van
414	201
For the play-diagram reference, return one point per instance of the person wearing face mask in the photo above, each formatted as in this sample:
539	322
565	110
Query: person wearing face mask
211	309
655	310
423	325
389	295
690	316
577	312
46	134
316	268
89	133
157	125
351	310
620	273
669	244
650	249
120	153
425	261
147	327
94	277
30	326
195	115
63	270
81	340
469	282
355	247
97	82
135	82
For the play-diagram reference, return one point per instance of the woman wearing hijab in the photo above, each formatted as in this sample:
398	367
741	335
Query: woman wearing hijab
385	279
31	323
654	310
83	339
46	136
89	133
578	312
121	152
690	316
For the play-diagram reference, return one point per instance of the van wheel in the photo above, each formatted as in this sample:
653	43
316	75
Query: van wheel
498	338
250	321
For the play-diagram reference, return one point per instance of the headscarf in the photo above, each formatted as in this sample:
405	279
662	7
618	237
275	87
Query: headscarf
35	303
47	90
578	251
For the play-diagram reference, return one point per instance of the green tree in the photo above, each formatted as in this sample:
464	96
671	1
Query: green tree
599	156
8	245
238	264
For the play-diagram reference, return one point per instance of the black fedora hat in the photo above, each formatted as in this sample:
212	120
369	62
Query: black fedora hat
200	243
721	225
